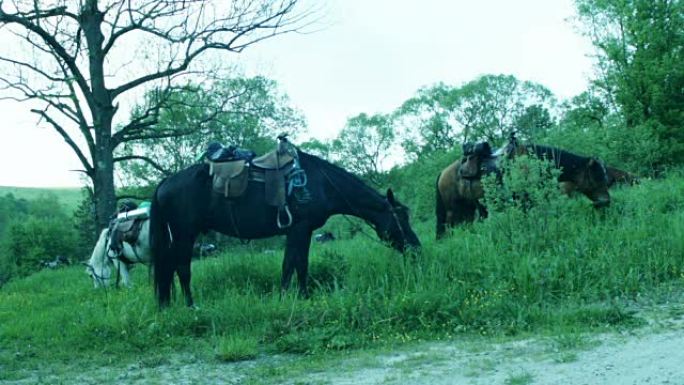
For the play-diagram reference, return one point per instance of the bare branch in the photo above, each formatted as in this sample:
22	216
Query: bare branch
67	139
58	49
145	159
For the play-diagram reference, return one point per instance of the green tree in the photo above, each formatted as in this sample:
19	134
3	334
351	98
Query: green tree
586	110
364	145
246	112
76	61
429	121
641	65
317	147
487	108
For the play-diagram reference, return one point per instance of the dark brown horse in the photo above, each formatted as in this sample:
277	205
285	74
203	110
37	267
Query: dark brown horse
586	175
459	187
617	176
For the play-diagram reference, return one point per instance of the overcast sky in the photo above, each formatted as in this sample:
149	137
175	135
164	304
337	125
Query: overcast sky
369	56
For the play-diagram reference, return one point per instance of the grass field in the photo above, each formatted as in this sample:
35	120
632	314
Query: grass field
563	269
68	196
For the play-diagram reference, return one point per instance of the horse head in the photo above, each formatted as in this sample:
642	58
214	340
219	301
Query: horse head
513	148
594	181
99	267
477	160
100	272
394	227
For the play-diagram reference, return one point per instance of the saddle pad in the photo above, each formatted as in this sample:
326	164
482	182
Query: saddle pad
125	225
230	178
127	230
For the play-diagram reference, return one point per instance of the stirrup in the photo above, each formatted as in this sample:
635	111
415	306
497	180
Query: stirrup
289	218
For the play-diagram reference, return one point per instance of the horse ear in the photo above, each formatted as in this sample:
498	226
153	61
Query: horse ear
390	196
487	148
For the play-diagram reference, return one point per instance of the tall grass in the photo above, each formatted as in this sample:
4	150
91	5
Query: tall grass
571	266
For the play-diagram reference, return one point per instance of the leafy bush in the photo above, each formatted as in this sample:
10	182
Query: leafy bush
526	184
30	242
86	227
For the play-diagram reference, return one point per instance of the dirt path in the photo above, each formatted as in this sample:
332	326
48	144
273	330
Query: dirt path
619	360
650	355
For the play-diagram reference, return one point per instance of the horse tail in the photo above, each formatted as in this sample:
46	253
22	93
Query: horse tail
163	259
440	211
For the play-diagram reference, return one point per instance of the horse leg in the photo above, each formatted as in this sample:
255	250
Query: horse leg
184	274
464	211
297	257
183	270
440	213
123	272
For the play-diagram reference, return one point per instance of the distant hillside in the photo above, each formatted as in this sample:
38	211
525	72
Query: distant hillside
68	196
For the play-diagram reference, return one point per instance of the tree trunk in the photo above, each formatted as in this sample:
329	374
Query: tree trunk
103	113
103	181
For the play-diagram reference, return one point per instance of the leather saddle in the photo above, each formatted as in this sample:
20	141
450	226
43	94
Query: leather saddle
231	178
273	170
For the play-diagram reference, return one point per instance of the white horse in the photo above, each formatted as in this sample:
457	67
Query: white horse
105	265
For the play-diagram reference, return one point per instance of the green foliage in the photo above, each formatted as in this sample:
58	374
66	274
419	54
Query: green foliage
642	65
363	145
85	222
68	196
236	348
571	267
11	207
415	184
487	108
245	112
34	240
528	185
33	231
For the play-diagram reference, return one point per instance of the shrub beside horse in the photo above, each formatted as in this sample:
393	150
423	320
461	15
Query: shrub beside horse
187	204
586	175
459	186
106	266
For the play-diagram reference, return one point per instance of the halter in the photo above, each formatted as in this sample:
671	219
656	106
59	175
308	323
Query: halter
99	278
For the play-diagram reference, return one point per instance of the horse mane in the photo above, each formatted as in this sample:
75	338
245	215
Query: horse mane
352	183
560	157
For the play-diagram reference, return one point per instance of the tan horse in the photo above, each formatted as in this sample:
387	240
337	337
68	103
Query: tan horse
459	187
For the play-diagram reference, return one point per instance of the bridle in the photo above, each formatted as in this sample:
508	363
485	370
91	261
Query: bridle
101	279
395	216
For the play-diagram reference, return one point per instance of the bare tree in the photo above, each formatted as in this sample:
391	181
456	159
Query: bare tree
77	61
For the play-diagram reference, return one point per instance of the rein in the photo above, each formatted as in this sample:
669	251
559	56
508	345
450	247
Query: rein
353	209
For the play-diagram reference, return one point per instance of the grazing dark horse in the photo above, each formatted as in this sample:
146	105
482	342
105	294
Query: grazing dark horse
459	187
184	205
587	175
